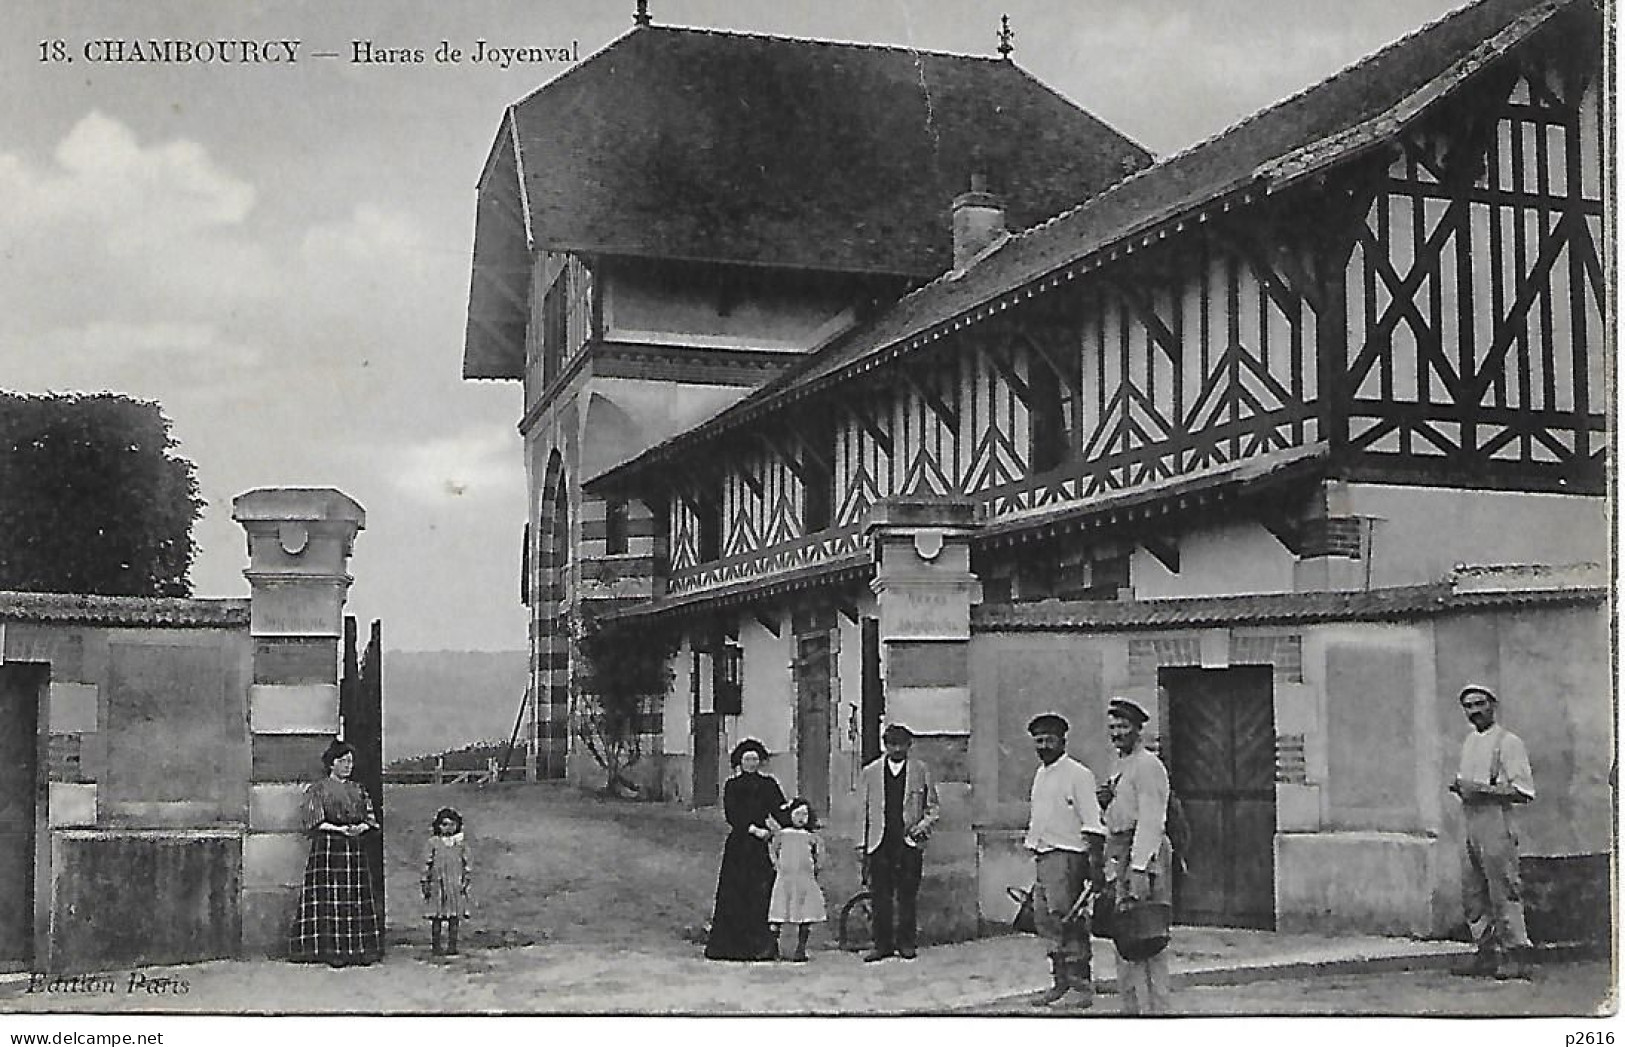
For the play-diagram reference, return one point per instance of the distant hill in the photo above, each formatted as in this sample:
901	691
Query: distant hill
440	700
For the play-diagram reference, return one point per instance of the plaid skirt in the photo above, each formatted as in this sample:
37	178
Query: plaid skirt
338	916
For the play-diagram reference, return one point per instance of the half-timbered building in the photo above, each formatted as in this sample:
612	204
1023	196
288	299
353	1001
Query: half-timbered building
678	218
1288	437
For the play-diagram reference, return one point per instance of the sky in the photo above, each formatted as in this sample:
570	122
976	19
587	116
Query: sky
279	253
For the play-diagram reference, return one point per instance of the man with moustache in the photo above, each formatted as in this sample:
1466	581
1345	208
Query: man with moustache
899	808
1139	861
1065	835
1492	777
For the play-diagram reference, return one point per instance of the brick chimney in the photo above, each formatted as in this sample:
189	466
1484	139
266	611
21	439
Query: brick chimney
978	222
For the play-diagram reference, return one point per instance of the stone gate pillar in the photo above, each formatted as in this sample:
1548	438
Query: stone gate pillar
299	543
924	589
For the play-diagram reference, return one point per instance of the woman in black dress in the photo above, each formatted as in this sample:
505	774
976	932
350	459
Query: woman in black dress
752	801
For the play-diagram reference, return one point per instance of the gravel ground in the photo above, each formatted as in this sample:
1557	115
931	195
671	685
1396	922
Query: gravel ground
590	906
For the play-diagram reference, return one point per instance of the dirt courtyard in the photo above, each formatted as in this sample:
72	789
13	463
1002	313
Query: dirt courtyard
589	906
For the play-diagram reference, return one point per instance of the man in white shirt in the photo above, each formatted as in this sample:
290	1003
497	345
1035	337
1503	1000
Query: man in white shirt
1139	861
1492	777
1065	835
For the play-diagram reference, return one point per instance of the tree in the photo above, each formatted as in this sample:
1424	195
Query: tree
93	498
623	668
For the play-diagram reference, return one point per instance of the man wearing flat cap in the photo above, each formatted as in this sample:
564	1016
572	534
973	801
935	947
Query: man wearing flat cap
1493	776
899	802
1139	861
1064	835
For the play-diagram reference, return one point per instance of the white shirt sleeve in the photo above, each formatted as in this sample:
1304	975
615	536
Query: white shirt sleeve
1151	819
1515	769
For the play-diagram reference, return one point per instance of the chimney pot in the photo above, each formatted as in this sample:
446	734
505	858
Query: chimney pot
978	221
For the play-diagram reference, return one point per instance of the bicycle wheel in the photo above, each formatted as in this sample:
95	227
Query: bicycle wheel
855	929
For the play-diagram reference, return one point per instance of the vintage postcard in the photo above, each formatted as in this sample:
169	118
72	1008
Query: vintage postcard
696	507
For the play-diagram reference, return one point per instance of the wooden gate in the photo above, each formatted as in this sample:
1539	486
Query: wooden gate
1221	760
873	697
21	785
812	719
361	709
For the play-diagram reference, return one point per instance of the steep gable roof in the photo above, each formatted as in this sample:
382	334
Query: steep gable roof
1325	124
728	147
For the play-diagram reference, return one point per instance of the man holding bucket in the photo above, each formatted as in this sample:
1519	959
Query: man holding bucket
1138	862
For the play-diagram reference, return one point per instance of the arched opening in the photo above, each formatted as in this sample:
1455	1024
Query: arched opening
550	671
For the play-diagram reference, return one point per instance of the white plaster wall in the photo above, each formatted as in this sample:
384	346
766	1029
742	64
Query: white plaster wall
1225	560
677	718
660	409
1423	532
769	702
668	309
849	679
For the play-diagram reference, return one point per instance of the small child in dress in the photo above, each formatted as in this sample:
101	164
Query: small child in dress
797	854
445	879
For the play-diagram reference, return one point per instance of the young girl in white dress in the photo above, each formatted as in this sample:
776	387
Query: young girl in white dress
445	879
797	854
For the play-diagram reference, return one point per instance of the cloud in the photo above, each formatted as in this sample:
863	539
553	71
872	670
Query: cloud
370	230
144	230
153	358
103	175
476	462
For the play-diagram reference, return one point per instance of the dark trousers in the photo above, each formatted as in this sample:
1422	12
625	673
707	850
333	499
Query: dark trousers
894	879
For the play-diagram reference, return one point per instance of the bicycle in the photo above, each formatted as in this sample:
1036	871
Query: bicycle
860	905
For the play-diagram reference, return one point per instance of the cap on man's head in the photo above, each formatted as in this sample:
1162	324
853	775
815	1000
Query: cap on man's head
897	733
1477	688
1128	710
1047	723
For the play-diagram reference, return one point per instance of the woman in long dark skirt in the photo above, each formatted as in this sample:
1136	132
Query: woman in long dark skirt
337	919
751	801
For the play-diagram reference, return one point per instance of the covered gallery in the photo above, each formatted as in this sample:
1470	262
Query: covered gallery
1288	437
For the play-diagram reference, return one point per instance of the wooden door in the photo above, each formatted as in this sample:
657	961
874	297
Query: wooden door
813	719
21	687
1220	754
707	758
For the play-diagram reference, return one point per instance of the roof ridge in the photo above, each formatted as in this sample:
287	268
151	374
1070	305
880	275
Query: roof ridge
825	42
1259	114
580	64
1142	147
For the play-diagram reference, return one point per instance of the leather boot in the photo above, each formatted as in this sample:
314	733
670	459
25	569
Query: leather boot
434	933
1483	964
1081	982
1514	965
802	932
451	937
1062	983
773	949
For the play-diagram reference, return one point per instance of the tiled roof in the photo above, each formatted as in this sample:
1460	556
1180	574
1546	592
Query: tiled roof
1376	605
728	147
122	611
1325	124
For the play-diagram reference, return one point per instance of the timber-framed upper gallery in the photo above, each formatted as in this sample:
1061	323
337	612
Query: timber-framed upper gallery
1286	437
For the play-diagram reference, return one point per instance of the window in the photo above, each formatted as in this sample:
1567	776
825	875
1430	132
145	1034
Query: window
524	569
818	478
708	512
566	317
615	513
1049	419
552	332
728	685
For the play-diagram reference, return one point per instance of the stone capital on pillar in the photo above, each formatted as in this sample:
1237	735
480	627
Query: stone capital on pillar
923	581
299	544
